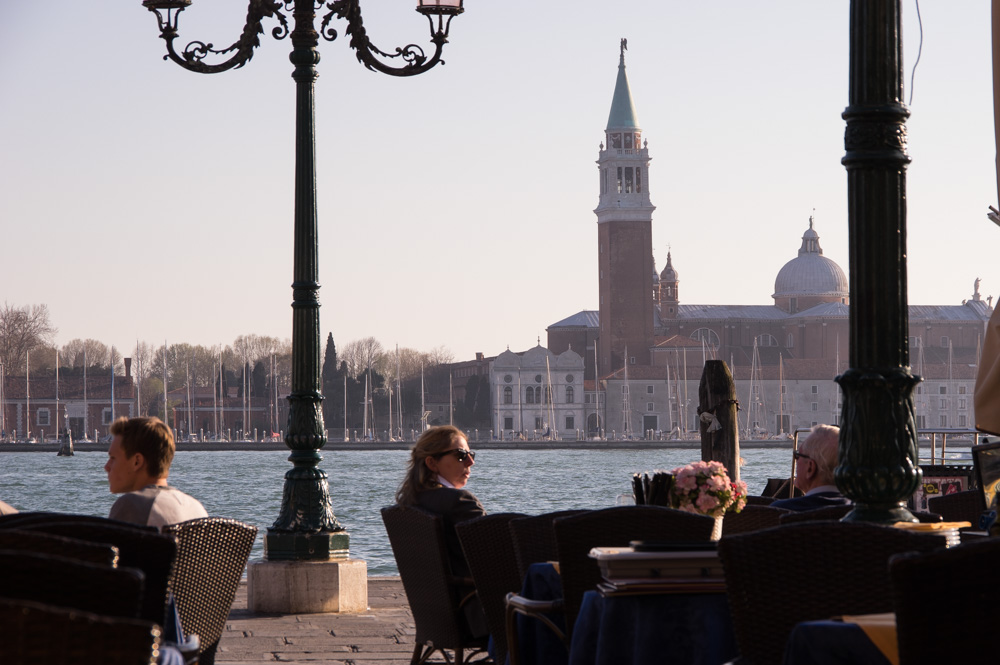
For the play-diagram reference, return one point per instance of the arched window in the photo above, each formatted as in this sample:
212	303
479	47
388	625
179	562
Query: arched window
529	395
508	395
706	335
570	396
766	340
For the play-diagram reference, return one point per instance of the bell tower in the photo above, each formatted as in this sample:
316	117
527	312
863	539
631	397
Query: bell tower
624	235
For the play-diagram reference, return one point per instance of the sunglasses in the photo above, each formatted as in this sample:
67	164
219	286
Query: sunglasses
796	455
459	453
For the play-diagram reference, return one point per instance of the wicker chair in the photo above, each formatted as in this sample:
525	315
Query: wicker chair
47	543
55	580
752	518
819	514
754	500
436	597
965	578
40	634
138	547
212	554
577	534
959	507
21	520
489	550
808	571
535	540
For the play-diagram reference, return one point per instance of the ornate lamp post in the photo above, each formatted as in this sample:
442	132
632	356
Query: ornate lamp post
306	528
878	442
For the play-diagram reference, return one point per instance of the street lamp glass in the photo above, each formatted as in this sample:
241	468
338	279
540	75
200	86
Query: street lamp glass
440	7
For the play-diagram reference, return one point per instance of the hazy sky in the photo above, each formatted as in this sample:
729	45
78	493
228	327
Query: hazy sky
142	201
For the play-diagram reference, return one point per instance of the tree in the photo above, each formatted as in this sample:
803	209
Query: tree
76	350
332	386
362	354
22	329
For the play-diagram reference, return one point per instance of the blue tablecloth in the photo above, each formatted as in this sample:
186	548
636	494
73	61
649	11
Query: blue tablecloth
694	629
831	643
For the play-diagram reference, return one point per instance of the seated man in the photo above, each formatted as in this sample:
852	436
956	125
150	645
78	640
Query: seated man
814	463
138	464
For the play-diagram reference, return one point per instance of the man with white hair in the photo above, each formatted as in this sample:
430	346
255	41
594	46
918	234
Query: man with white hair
815	461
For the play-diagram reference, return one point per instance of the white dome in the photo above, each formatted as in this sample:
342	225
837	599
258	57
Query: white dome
811	273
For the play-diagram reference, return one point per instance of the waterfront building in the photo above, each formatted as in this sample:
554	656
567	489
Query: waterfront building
643	350
538	394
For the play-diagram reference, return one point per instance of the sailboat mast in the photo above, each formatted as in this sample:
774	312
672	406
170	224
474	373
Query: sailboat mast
27	395
112	385
166	417
85	411
364	420
57	393
423	408
625	400
451	400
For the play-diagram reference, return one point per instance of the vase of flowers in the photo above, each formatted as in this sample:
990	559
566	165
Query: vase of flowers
705	488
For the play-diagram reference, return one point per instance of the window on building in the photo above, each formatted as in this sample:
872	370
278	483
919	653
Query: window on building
586	398
944	421
962	403
649	406
944	402
508	422
42	418
814	390
638	179
632	360
538	423
790	341
942	390
570	422
815	406
570	395
784	389
649	390
529	395
619	180
706	335
106	416
963	421
961	390
628	179
766	340
627	143
616	141
944	342
508	395
921	422
793	305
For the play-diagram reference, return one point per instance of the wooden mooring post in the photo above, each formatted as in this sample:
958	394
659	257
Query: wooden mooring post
717	408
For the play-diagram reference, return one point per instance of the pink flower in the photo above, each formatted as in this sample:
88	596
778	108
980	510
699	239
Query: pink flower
707	502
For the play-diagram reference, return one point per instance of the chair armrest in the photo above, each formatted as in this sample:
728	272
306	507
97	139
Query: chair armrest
536	609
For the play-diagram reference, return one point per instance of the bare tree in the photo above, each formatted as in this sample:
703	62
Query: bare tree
22	329
74	352
361	354
441	355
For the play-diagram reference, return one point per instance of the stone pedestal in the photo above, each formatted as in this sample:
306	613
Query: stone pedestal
306	587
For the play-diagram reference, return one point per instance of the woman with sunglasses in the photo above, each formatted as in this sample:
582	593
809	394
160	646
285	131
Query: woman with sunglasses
440	463
439	468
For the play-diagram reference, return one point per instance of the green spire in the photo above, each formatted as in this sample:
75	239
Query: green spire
622	114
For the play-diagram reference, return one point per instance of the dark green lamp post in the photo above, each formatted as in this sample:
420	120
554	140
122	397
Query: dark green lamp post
306	528
878	440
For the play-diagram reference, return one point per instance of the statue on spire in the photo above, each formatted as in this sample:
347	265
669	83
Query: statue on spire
624	46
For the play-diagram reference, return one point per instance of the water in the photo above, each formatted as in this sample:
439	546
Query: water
247	485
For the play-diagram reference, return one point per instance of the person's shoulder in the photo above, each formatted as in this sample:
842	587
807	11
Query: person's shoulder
445	497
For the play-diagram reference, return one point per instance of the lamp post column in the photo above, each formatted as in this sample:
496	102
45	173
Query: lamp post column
878	445
306	527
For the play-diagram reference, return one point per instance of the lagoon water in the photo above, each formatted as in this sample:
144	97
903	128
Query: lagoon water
247	485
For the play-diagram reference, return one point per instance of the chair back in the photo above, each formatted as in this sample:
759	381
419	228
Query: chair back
958	507
807	571
752	518
957	631
819	514
754	500
55	580
47	543
139	547
20	520
489	551
39	634
418	545
212	554
576	535
535	540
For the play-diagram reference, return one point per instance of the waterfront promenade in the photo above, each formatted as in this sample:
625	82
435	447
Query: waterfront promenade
381	636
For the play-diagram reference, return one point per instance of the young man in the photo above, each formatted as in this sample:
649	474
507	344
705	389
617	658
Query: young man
815	461
138	464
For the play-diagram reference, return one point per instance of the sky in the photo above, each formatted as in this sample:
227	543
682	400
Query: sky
140	201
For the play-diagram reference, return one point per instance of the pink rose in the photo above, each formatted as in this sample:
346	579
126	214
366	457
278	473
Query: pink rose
706	502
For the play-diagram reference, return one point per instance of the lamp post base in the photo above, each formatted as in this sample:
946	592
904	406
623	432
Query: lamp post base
308	587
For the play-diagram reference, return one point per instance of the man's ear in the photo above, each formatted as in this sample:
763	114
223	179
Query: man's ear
138	461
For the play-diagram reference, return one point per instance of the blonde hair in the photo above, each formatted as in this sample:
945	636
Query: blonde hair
418	477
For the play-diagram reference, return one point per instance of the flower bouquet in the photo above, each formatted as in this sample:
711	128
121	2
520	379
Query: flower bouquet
705	488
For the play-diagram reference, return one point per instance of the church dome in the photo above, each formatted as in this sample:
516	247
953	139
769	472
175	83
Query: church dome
668	274
810	273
